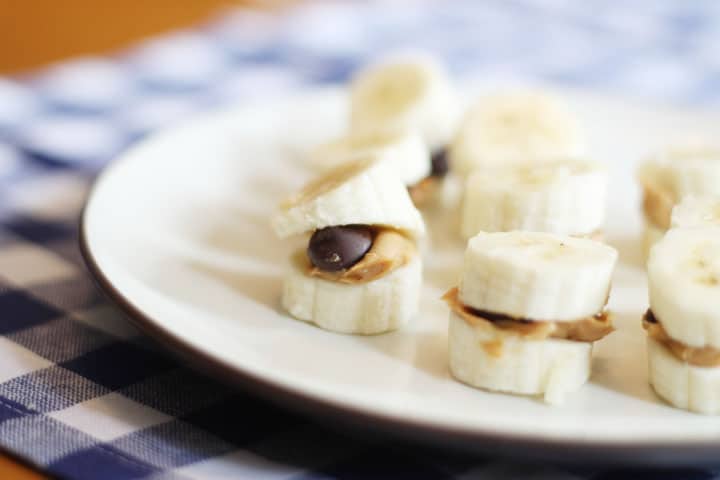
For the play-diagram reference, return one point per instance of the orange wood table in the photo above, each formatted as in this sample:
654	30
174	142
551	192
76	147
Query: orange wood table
41	31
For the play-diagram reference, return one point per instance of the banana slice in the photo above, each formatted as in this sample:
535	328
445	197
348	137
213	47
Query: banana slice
685	386
697	173
514	127
484	358
696	211
366	308
363	191
411	94
537	276
684	285
670	176
405	151
564	196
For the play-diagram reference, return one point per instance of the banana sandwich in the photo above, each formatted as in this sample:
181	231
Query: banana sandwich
361	271
683	321
563	196
668	177
527	311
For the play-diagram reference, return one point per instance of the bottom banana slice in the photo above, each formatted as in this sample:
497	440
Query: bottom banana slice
364	308
685	386
486	359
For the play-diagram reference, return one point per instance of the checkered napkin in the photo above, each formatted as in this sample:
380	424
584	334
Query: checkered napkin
82	394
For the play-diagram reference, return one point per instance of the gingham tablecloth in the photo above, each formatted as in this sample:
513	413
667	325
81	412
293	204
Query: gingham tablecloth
82	394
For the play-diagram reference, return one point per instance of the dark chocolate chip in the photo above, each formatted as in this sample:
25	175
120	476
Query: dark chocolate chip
496	317
439	162
337	248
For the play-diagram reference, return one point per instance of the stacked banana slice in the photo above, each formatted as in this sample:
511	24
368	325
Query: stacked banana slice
361	272
527	310
405	151
405	112
557	196
683	322
411	94
514	127
669	177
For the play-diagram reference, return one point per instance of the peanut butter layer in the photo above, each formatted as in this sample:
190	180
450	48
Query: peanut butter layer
657	203
588	329
698	356
421	192
390	250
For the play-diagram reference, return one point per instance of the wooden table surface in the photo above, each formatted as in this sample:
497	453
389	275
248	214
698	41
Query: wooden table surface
38	32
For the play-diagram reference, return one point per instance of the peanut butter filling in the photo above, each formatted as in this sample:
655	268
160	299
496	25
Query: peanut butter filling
587	329
698	356
657	203
421	192
390	250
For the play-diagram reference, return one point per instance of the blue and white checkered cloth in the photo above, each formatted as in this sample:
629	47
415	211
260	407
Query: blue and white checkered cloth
82	394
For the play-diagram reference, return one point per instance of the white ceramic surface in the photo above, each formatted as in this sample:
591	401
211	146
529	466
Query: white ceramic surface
178	226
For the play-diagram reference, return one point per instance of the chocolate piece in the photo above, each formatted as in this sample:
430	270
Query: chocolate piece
439	163
650	317
390	250
340	247
496	317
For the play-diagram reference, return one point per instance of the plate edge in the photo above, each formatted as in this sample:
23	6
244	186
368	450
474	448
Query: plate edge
620	453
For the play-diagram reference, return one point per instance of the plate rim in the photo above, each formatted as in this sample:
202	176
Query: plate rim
606	452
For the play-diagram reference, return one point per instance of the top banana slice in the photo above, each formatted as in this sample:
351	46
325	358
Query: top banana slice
412	94
683	172
537	276
364	191
514	127
565	196
405	151
675	173
684	285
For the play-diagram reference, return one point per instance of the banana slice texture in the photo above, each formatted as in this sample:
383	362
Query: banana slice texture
405	151
672	175
484	358
696	211
411	94
537	276
515	127
364	191
564	196
684	285
366	308
685	386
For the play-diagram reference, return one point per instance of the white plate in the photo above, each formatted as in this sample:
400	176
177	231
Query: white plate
176	230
